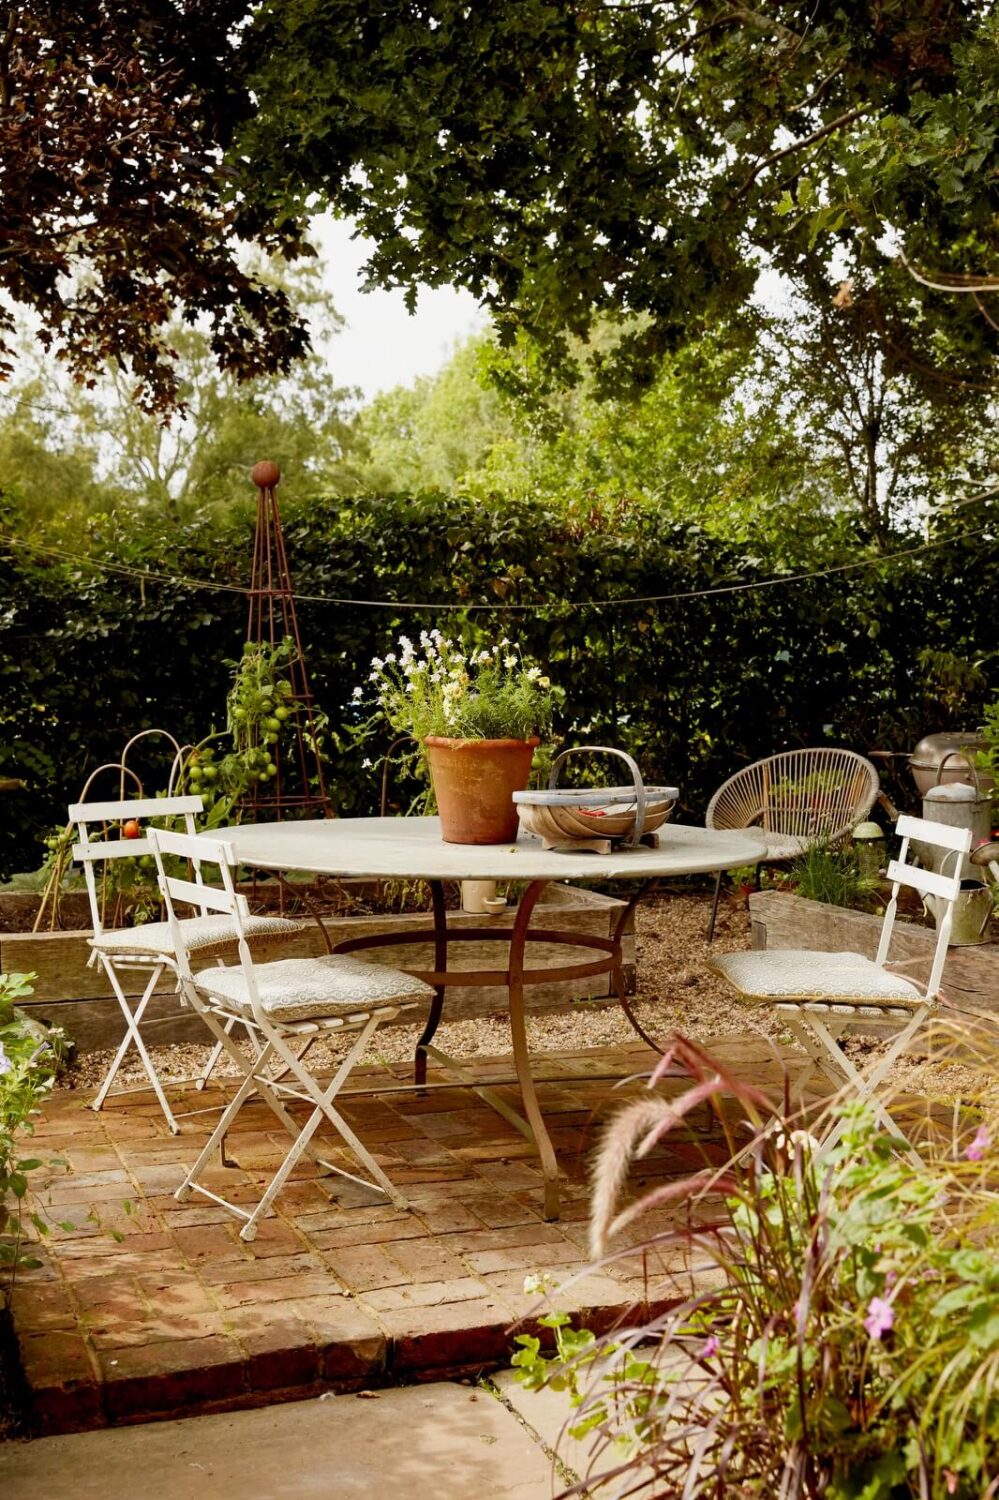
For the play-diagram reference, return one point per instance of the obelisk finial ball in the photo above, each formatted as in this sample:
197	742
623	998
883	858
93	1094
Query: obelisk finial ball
265	475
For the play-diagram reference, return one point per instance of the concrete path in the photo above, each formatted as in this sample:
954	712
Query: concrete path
451	1441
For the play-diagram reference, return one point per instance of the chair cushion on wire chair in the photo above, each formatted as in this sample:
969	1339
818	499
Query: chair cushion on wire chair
202	935
783	845
800	976
304	989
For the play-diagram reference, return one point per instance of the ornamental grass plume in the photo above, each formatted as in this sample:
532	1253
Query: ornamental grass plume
844	1339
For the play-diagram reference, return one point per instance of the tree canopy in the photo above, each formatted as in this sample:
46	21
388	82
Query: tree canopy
118	210
639	158
567	160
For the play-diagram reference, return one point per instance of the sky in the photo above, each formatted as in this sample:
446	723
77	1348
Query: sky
383	345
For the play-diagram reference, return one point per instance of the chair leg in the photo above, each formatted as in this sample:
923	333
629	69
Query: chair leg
258	1081
133	1038
324	1105
866	1083
709	936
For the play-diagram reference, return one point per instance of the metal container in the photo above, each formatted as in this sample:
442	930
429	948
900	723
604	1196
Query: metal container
959	806
972	914
940	759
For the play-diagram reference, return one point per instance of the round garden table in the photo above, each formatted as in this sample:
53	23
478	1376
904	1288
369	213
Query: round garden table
412	849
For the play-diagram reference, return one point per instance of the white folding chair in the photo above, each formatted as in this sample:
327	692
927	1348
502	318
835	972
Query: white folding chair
148	948
821	994
282	1004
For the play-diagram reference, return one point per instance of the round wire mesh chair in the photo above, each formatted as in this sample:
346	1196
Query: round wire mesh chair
796	798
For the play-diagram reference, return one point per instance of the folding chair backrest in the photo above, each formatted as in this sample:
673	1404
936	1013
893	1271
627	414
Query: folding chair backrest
955	842
221	898
90	851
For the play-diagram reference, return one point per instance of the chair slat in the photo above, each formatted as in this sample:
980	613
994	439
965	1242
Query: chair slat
139	807
942	835
212	897
196	846
927	882
111	849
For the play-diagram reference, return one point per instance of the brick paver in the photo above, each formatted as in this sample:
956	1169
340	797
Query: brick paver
145	1307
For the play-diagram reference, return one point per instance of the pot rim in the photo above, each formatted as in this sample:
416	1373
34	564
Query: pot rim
445	741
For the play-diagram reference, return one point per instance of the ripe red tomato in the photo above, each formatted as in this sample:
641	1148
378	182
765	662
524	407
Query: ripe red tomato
132	829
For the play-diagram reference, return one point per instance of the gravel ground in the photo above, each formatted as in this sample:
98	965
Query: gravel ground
675	992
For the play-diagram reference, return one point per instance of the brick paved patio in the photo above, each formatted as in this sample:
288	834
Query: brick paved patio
146	1307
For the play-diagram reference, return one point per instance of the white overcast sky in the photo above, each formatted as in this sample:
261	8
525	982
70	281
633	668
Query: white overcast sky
383	345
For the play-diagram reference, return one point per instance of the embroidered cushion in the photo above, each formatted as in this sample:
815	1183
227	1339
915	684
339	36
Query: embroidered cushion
303	989
803	975
202	935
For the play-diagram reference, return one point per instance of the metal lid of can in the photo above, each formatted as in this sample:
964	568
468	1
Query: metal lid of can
933	747
954	791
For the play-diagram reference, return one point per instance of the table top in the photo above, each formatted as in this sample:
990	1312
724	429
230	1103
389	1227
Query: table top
412	847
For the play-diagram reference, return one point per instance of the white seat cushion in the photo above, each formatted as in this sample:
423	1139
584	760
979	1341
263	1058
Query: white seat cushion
799	974
306	989
201	934
784	845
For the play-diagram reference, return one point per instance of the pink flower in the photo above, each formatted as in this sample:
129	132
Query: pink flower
711	1346
952	1481
979	1145
880	1317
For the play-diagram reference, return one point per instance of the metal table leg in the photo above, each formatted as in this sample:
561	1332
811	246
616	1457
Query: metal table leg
440	965
521	1054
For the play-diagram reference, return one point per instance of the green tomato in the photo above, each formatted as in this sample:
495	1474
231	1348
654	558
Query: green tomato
210	773
239	712
273	724
284	688
281	713
263	776
270	739
194	776
271	768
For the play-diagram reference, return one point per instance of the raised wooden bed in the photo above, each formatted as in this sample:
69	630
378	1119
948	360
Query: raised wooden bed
69	994
971	975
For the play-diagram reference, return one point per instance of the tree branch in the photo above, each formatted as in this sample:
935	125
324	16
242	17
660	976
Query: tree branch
808	140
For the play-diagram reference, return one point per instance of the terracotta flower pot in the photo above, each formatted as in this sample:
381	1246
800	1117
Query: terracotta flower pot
474	782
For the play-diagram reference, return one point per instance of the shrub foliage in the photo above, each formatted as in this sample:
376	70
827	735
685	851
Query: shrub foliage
694	686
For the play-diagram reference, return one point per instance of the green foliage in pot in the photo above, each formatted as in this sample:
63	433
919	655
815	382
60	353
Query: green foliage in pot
470	693
845	1339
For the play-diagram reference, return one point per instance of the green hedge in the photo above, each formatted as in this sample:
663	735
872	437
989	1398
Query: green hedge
694	688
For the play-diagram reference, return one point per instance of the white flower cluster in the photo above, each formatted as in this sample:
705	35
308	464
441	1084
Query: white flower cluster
437	686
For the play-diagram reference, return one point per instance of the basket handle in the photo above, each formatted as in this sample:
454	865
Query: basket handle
634	838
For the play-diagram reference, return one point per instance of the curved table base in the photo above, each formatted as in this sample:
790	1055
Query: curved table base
516	977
